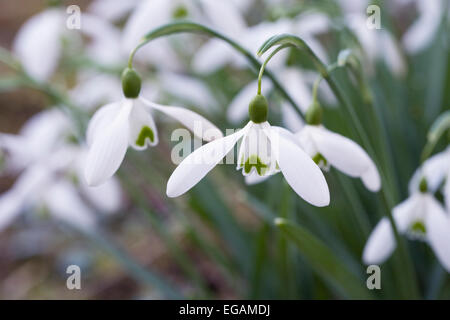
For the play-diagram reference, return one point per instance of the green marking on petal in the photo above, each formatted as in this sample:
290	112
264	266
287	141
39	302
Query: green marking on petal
320	160
255	161
145	133
418	227
180	12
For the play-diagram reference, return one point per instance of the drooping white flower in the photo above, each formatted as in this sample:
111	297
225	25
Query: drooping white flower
264	151
329	148
436	170
129	122
420	217
38	43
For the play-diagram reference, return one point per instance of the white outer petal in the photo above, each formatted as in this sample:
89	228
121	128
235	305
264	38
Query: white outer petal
255	178
438	231
101	119
342	153
107	197
193	121
435	170
212	56
299	170
225	16
195	166
37	44
108	148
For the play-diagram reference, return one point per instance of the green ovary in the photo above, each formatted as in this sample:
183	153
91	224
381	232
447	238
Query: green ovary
145	133
255	161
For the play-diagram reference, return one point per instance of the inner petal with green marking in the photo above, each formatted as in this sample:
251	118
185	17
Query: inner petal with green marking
255	162
145	133
417	230
321	161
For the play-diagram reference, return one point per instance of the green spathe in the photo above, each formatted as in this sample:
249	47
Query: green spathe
258	109
145	133
131	83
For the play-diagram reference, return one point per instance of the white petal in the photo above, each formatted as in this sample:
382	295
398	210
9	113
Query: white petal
143	130
108	148
112	9
438	231
195	166
37	43
63	202
371	178
446	192
101	119
291	119
380	244
422	31
11	204
255	178
343	153
381	241
237	111
300	171
392	55
435	170
200	126
297	88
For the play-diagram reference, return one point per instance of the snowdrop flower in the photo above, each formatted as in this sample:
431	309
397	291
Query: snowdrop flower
331	149
264	150
435	170
51	176
38	42
420	217
129	122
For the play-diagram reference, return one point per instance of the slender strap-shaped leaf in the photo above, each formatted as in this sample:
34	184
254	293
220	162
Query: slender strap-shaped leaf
324	261
191	27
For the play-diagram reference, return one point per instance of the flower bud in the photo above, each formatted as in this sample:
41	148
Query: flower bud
314	114
131	83
258	108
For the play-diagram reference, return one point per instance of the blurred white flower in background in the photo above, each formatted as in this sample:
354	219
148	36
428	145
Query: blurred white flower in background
436	171
39	42
421	217
329	148
50	175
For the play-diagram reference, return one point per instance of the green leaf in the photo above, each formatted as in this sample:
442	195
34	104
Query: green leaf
324	261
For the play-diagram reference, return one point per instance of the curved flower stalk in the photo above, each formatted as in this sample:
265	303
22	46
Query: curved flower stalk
49	27
215	54
420	217
264	151
51	176
129	122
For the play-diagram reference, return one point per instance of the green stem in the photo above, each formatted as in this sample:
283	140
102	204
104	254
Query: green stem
191	27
